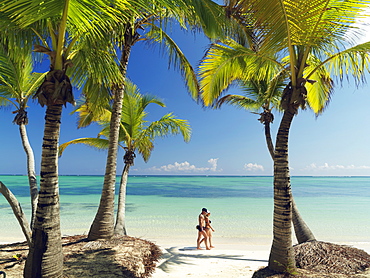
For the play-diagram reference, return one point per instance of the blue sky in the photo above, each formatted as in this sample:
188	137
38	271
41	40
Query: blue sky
224	142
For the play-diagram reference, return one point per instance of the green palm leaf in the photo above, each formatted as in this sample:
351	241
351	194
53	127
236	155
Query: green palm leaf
83	15
135	132
225	64
238	101
5	101
97	143
167	125
17	81
352	61
176	58
9	81
145	147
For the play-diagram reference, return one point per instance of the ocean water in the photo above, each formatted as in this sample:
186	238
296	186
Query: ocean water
165	208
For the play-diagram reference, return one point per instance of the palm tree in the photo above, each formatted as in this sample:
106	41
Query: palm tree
136	135
257	95
17	84
153	18
71	27
308	41
18	212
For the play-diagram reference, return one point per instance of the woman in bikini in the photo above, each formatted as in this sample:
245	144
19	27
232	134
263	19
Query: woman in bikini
209	229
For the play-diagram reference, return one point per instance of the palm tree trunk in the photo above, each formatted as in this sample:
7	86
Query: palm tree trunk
45	258
120	228
270	145
103	224
30	170
281	255
17	210
302	231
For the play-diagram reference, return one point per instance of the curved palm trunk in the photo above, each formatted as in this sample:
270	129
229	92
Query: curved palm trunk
270	145
120	228
30	170
45	258
281	255
103	224
17	210
302	231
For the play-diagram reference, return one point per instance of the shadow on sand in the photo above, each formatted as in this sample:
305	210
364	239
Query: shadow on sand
174	256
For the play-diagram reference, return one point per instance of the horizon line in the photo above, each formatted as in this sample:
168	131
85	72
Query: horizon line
191	175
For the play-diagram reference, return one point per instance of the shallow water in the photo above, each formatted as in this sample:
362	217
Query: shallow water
166	207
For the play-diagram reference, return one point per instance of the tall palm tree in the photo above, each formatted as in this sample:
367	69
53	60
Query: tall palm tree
17	84
136	136
66	29
308	41
257	95
148	26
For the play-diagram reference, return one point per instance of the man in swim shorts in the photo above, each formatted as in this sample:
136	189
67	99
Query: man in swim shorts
201	229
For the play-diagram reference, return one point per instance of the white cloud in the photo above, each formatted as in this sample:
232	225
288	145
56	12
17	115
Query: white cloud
326	166
186	167
253	167
213	162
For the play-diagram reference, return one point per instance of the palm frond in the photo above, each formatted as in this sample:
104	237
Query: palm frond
145	147
34	81
16	78
353	61
319	93
168	125
9	81
319	86
224	64
97	143
176	58
135	133
97	96
94	59
84	16
133	108
238	101
6	102
148	99
88	114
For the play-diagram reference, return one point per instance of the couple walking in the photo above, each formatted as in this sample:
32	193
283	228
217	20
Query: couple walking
204	229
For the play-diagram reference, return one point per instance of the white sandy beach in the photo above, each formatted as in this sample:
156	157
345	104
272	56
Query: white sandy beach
229	258
219	262
226	260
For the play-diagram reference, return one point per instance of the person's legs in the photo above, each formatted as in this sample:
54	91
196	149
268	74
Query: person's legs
199	241
210	238
205	239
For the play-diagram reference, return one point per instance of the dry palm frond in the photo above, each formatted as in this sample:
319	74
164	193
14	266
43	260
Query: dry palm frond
121	256
325	257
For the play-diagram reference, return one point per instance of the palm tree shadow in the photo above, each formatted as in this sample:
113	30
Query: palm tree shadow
174	256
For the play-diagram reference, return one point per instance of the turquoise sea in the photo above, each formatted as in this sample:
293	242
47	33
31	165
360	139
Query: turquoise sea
165	208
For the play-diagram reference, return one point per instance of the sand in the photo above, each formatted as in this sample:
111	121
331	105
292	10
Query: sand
226	260
182	259
218	262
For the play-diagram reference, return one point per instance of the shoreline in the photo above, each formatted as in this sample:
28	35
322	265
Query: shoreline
240	244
